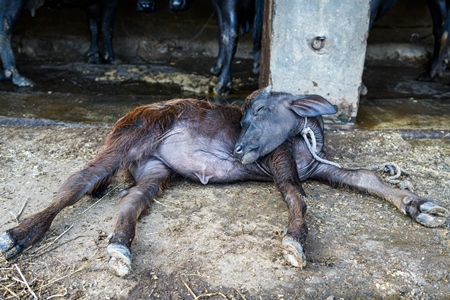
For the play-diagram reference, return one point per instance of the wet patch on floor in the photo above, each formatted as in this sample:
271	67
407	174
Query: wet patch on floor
100	94
398	101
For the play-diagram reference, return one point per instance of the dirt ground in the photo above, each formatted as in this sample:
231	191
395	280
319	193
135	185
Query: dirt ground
223	241
214	241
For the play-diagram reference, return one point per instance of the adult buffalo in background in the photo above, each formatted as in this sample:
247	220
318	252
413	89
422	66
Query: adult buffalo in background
440	13
439	10
9	14
101	15
233	17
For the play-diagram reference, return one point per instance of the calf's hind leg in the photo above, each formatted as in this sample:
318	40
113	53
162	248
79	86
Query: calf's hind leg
150	178
33	228
420	209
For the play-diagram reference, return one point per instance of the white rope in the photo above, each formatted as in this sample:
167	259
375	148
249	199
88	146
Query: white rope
393	168
306	131
395	172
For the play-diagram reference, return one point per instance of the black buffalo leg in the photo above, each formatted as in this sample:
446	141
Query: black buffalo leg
217	68
101	18
94	19
8	18
228	38
109	12
438	62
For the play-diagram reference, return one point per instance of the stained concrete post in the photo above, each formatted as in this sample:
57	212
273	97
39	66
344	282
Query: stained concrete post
316	47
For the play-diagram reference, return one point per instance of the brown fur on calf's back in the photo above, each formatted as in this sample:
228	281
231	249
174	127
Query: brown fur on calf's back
152	121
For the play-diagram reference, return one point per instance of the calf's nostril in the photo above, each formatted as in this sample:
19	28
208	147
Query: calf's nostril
238	149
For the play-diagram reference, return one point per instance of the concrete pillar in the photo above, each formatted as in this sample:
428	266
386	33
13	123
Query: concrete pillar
316	47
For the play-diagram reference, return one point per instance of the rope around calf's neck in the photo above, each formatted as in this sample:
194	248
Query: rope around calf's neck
403	184
306	131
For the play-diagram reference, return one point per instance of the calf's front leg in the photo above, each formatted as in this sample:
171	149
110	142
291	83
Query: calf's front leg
286	179
420	209
150	179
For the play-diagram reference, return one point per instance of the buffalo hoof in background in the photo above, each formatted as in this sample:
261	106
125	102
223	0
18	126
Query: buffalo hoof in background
146	6
222	89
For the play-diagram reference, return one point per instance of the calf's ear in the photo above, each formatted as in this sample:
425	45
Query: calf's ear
312	106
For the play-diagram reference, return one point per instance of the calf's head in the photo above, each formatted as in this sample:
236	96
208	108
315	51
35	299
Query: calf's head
270	118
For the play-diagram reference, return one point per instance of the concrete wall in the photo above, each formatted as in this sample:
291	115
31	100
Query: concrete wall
314	54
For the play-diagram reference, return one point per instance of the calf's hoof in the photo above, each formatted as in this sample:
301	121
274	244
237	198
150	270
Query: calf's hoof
431	215
120	259
8	246
293	252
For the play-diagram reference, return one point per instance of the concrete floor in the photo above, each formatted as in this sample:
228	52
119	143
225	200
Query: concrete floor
397	101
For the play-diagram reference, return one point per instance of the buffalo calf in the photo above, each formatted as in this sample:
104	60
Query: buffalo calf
208	142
